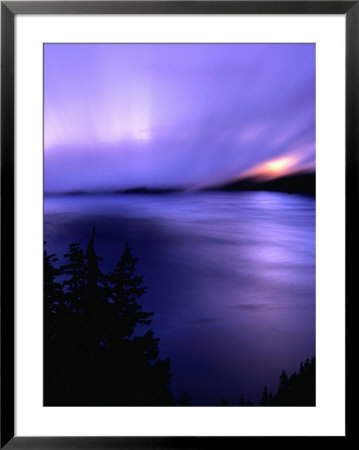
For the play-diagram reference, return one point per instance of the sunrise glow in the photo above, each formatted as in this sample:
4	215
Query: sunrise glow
186	116
273	168
280	166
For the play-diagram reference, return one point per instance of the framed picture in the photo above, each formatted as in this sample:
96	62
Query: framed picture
176	183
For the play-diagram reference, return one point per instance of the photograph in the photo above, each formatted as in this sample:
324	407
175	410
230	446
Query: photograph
179	219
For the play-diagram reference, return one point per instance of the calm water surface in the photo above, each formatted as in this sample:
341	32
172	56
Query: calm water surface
230	277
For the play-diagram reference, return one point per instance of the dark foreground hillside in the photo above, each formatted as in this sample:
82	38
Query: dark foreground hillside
303	183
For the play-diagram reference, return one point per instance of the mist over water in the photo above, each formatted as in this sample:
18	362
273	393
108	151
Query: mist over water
230	277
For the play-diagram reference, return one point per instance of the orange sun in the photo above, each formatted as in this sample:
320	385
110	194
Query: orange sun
279	166
273	168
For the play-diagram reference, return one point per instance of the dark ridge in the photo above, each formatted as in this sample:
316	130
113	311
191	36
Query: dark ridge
70	193
139	190
300	183
79	192
144	190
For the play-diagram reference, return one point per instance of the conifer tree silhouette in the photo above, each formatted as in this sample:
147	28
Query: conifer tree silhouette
95	357
75	278
54	303
265	398
126	289
282	393
53	296
94	276
283	381
184	400
54	310
298	389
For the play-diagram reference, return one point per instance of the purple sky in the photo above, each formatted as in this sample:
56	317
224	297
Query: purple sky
190	115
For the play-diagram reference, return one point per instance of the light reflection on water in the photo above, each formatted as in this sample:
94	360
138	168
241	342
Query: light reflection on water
230	277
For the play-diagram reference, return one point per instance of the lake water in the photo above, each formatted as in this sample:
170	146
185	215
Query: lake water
230	277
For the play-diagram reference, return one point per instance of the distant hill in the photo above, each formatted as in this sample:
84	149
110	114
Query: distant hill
145	190
299	183
139	190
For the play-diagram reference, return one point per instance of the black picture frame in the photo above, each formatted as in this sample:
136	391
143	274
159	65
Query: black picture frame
9	9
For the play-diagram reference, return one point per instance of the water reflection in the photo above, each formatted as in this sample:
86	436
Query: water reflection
230	276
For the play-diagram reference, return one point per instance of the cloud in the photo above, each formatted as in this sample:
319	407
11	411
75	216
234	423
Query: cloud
120	116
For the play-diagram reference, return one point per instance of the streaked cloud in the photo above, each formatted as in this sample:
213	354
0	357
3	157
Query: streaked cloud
190	115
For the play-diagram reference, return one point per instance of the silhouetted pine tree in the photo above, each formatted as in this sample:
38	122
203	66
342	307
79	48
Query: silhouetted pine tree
283	381
265	399
96	291
126	289
184	400
54	310
96	317
282	394
75	274
270	399
96	358
298	389
147	377
242	401
53	295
